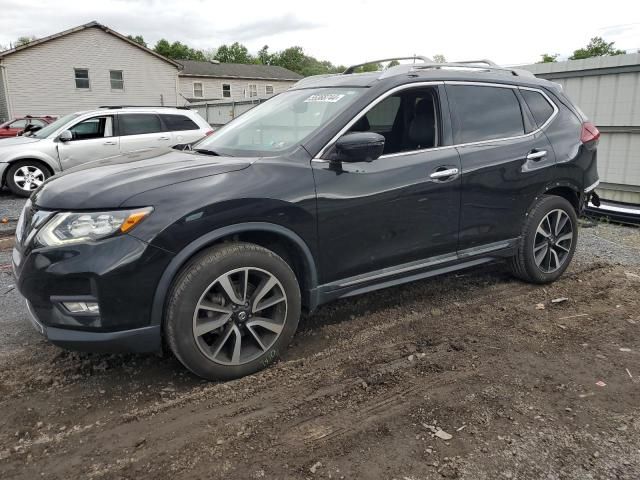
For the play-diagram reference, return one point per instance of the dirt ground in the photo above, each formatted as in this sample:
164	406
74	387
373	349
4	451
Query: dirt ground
473	375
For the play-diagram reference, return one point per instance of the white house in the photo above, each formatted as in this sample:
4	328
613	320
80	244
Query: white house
209	81
83	68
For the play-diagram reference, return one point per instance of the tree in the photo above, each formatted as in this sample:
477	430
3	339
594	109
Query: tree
264	57
393	63
23	41
178	51
439	58
597	47
549	58
234	53
138	39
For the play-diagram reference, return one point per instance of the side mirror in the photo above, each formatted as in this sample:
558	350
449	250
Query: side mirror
359	147
66	136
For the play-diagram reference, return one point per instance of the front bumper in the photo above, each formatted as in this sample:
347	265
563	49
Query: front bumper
120	274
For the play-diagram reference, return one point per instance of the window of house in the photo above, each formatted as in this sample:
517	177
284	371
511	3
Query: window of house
540	108
226	90
253	90
139	123
486	113
95	127
176	123
82	78
198	90
407	120
268	90
117	80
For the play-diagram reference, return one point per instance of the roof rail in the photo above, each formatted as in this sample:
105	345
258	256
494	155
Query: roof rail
352	68
116	107
483	65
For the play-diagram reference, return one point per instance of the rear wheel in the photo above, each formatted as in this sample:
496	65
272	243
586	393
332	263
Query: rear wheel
548	241
25	176
232	310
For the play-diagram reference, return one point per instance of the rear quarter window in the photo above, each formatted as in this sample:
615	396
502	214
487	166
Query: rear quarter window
539	106
485	113
176	123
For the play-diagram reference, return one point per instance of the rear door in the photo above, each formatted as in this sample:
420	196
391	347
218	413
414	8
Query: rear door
93	139
140	132
506	161
183	129
399	208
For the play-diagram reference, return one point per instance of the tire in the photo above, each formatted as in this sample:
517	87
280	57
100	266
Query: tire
207	315
25	176
535	260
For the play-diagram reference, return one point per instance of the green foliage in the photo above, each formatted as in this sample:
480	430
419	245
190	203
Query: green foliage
178	51
549	58
393	63
138	39
234	53
264	57
439	58
24	40
597	47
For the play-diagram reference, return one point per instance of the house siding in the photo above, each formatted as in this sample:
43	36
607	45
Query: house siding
4	102
212	87
41	78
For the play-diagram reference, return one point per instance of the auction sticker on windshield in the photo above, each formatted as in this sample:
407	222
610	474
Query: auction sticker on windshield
325	98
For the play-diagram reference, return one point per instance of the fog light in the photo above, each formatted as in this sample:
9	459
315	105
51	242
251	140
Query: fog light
82	307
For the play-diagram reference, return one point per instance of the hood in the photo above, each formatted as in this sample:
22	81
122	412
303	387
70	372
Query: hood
108	183
15	141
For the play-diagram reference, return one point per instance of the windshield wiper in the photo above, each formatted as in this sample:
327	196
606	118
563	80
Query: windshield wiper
204	151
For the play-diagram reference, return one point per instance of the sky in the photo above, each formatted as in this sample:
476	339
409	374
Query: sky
348	32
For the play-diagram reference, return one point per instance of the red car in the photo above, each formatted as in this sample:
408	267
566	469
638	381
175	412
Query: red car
16	126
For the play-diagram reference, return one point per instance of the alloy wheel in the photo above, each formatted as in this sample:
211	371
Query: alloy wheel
553	241
240	316
28	177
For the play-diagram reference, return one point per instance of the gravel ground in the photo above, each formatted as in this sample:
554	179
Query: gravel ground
10	208
366	390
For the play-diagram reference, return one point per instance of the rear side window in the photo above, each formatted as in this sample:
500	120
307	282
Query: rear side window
175	123
486	113
540	108
139	123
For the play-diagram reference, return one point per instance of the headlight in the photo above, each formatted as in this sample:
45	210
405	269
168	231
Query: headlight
69	227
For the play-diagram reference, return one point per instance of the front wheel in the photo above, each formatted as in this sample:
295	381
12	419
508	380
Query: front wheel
25	176
548	241
232	310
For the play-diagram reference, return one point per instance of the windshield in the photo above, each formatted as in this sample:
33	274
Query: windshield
52	127
281	123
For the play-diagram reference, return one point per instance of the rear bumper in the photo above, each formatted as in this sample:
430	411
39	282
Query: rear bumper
138	340
619	212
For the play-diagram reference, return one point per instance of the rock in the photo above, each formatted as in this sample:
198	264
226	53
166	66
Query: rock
625	349
632	276
443	435
219	441
596	454
411	358
315	467
559	300
540	306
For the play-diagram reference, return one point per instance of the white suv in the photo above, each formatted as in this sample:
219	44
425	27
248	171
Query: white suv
26	162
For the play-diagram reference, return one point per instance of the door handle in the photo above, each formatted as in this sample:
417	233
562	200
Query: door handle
164	138
110	143
536	155
449	172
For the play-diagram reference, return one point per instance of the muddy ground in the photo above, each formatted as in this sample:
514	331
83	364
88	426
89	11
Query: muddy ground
370	388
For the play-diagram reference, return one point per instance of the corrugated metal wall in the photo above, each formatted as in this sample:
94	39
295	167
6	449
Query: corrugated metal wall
607	90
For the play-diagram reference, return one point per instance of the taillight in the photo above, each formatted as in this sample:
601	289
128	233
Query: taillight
209	132
589	132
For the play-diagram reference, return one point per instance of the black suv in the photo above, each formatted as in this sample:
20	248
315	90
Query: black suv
344	184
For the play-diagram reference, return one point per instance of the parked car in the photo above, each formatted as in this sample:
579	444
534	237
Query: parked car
341	185
26	162
17	126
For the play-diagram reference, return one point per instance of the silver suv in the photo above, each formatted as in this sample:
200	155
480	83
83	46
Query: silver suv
26	162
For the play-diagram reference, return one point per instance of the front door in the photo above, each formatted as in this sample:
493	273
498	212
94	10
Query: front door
93	139
398	208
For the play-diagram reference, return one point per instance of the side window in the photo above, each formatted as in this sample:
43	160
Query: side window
138	123
18	124
96	127
82	78
407	120
253	90
486	113
175	123
268	90
116	79
540	108
226	90
198	91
